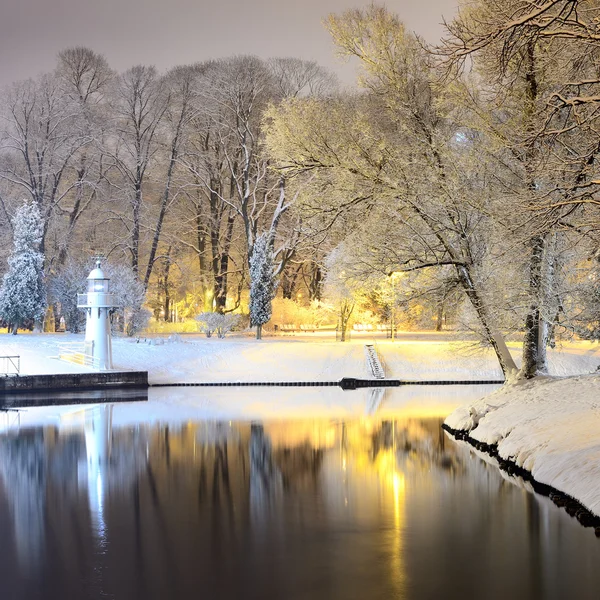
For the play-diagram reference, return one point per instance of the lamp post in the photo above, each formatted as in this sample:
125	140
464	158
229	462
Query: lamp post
98	303
393	276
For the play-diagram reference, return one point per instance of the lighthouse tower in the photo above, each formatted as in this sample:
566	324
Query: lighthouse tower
98	302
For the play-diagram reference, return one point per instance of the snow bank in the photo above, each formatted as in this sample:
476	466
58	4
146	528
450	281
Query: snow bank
550	427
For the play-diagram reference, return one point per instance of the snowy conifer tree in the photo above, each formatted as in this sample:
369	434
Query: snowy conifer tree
262	283
23	294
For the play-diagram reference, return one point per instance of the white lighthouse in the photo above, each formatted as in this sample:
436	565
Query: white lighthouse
98	302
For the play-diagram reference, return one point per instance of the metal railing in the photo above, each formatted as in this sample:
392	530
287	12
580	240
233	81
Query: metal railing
15	413
373	362
10	366
80	353
100	300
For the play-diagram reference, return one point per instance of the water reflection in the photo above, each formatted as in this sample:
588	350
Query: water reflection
22	399
368	507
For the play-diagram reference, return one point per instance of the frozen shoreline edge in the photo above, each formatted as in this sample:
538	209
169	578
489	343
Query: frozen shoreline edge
544	431
572	506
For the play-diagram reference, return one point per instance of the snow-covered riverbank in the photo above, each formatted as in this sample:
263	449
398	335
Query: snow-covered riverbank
548	426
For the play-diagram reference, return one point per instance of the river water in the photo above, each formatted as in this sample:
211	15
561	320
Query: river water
273	494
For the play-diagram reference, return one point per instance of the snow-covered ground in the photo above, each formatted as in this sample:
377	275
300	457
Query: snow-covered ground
200	359
549	426
453	360
308	358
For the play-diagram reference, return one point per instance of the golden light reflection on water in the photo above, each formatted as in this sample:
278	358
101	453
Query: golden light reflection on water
396	563
351	507
351	471
376	484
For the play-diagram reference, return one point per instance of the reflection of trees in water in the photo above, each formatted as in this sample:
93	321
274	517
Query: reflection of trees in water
23	469
173	496
265	480
421	442
299	466
39	469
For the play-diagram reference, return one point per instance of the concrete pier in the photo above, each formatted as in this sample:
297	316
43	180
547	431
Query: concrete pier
100	380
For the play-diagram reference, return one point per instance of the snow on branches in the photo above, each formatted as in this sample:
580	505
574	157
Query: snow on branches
262	283
23	293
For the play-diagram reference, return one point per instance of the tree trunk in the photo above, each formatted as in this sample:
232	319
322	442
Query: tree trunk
135	229
163	210
167	299
201	235
346	309
494	337
288	282
74	213
222	273
536	329
439	317
316	283
259	332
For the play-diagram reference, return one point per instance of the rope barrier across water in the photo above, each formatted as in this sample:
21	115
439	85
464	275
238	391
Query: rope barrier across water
347	383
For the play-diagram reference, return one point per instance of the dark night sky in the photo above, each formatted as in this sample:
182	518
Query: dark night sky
171	32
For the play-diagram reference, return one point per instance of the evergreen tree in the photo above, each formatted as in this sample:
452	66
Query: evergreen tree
23	294
262	283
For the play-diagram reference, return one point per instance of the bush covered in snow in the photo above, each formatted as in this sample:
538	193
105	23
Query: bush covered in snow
63	288
212	322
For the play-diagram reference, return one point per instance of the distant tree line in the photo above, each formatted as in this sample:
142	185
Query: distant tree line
167	174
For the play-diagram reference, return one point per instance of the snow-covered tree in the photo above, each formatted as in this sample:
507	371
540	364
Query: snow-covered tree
23	294
341	288
262	283
520	79
141	103
63	287
391	154
40	137
129	295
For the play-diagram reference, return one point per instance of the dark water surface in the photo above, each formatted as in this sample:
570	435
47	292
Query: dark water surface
373	505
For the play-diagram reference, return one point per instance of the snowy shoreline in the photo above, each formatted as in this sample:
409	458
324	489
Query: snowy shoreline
546	430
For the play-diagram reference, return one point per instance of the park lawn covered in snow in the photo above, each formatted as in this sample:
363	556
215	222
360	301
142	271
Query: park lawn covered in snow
548	426
189	359
454	360
198	359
